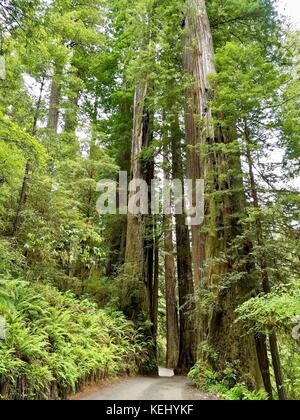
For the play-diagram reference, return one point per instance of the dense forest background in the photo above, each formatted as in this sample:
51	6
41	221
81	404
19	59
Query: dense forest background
188	89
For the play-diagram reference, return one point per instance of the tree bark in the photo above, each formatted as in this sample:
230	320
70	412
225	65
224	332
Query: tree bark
170	282
171	298
137	294
224	336
155	300
55	98
187	330
198	64
263	359
136	285
117	245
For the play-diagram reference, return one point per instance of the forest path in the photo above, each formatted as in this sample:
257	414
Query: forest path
165	387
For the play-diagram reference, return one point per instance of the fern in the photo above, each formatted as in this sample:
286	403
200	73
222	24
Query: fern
56	343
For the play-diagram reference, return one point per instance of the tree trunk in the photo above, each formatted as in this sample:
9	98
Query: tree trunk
170	283
28	166
137	294
171	298
266	284
282	394
224	336
55	98
263	359
117	245
155	286
198	64
187	330
135	286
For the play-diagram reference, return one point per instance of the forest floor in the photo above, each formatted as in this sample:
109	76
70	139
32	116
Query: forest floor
165	387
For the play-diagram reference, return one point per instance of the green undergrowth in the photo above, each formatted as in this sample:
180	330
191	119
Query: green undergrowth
223	384
55	344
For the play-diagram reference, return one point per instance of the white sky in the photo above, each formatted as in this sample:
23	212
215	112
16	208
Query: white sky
291	8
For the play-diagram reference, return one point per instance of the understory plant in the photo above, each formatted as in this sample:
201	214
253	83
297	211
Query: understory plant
222	384
55	343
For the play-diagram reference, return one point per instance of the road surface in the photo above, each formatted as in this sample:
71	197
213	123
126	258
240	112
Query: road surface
165	387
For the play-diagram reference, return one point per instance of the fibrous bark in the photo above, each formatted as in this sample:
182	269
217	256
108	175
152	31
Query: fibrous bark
206	160
198	64
170	281
137	294
187	329
136	280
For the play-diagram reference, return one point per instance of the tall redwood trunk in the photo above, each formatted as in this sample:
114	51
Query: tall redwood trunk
198	64
170	281
137	294
136	286
155	299
187	329
171	297
205	160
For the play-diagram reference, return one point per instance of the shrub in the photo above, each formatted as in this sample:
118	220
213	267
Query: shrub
56	343
222	384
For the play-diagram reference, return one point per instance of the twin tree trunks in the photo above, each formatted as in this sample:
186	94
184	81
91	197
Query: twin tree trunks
218	330
191	334
139	278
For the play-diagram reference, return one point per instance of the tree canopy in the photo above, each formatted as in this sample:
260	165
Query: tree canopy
167	89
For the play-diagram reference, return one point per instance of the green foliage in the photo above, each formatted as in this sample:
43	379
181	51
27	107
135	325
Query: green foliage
11	134
11	261
223	383
247	80
278	312
95	53
55	343
290	354
240	392
274	311
244	19
289	118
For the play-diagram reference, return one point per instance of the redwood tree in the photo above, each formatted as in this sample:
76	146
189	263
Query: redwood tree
208	157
